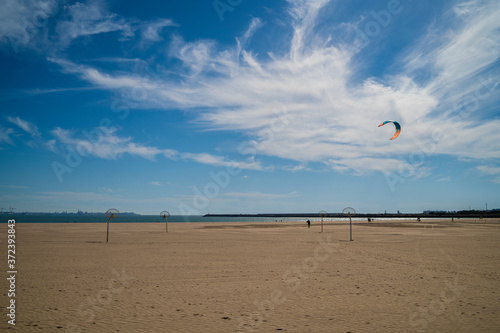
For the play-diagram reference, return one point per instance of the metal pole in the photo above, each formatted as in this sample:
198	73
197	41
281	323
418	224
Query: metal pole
107	234
350	228
166	224
321	223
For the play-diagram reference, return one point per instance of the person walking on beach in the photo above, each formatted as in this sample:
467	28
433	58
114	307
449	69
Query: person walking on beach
308	223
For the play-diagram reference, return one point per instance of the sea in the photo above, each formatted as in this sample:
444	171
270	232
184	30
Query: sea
133	218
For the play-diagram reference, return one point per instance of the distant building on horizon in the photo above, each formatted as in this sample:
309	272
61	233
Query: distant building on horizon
437	212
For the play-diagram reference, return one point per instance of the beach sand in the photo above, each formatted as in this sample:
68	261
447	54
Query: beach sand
432	276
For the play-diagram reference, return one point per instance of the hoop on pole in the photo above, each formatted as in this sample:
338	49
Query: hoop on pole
165	214
322	214
111	214
349	211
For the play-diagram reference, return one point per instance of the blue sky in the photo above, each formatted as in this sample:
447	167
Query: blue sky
238	106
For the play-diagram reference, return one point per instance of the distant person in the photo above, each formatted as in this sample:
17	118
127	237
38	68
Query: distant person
308	223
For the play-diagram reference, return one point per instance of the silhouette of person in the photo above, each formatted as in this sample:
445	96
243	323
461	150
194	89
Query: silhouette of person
308	223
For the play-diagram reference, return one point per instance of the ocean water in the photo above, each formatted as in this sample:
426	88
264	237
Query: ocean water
74	218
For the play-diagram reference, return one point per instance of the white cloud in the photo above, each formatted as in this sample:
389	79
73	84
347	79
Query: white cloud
445	179
458	58
25	23
294	168
219	161
146	90
254	25
25	125
467	7
151	30
469	139
51	145
304	13
90	19
109	145
307	104
36	140
491	170
195	56
22	20
5	135
361	164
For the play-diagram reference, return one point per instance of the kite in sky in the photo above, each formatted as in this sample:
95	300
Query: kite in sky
398	127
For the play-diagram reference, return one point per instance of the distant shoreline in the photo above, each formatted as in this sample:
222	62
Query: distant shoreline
471	214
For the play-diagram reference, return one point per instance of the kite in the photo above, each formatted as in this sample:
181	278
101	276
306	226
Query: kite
398	127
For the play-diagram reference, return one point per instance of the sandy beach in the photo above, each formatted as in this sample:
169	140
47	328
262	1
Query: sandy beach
432	276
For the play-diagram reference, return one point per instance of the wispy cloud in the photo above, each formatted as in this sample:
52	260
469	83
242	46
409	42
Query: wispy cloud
112	146
303	104
491	170
304	13
459	57
25	125
27	24
467	7
36	140
220	161
160	184
445	179
361	165
22	21
5	135
293	168
109	145
90	19
150	31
